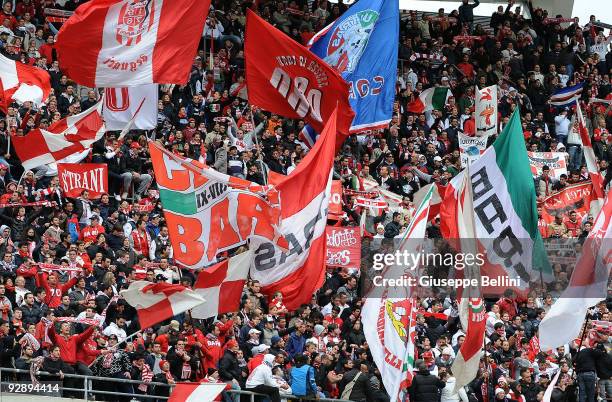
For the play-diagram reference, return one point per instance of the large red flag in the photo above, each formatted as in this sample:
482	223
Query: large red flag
111	43
299	270
286	78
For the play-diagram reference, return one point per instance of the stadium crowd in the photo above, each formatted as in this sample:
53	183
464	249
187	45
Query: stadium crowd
68	320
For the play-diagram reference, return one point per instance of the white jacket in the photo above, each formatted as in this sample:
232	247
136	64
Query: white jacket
448	394
262	375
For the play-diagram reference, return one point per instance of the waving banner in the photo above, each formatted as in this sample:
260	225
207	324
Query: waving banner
284	77
572	198
470	148
207	215
362	46
122	104
343	247
486	111
76	177
554	160
131	42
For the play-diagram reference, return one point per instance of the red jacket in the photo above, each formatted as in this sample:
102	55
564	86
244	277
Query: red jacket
46	51
69	347
255	361
90	233
225	329
191	339
213	351
507	306
27	272
141	242
163	342
88	352
55	293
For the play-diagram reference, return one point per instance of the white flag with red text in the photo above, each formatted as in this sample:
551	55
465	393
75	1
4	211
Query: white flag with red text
389	313
122	104
131	42
73	135
156	302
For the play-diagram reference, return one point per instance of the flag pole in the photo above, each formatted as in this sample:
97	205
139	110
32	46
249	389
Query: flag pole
116	346
261	162
584	330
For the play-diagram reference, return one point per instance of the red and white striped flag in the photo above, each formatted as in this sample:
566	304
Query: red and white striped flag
156	302
588	285
471	307
197	392
221	285
20	82
591	163
110	43
70	136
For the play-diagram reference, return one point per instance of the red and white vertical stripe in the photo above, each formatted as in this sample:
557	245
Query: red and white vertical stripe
110	43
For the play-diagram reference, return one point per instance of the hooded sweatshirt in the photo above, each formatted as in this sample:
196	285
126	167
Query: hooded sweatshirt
262	375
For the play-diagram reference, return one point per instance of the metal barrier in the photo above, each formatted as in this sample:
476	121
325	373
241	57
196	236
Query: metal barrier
87	391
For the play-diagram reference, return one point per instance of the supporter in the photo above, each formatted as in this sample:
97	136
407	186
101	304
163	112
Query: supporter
262	381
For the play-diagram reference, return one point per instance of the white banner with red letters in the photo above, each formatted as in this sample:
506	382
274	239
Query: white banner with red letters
343	247
76	177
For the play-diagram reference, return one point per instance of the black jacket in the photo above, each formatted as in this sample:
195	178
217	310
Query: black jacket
392	229
425	387
604	366
362	390
466	11
586	359
229	369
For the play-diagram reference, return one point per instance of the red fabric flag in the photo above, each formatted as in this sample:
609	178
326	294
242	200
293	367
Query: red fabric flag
20	82
69	137
110	43
284	77
155	302
74	178
221	285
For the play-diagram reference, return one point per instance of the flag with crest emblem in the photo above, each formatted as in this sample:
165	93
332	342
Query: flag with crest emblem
110	43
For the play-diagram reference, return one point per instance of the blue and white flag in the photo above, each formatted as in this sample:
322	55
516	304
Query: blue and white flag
362	46
308	136
566	96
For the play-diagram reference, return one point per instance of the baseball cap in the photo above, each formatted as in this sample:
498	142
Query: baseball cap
260	348
254	331
275	339
175	324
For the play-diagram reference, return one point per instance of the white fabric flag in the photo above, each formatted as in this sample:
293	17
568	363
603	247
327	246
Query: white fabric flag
121	104
588	285
486	111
